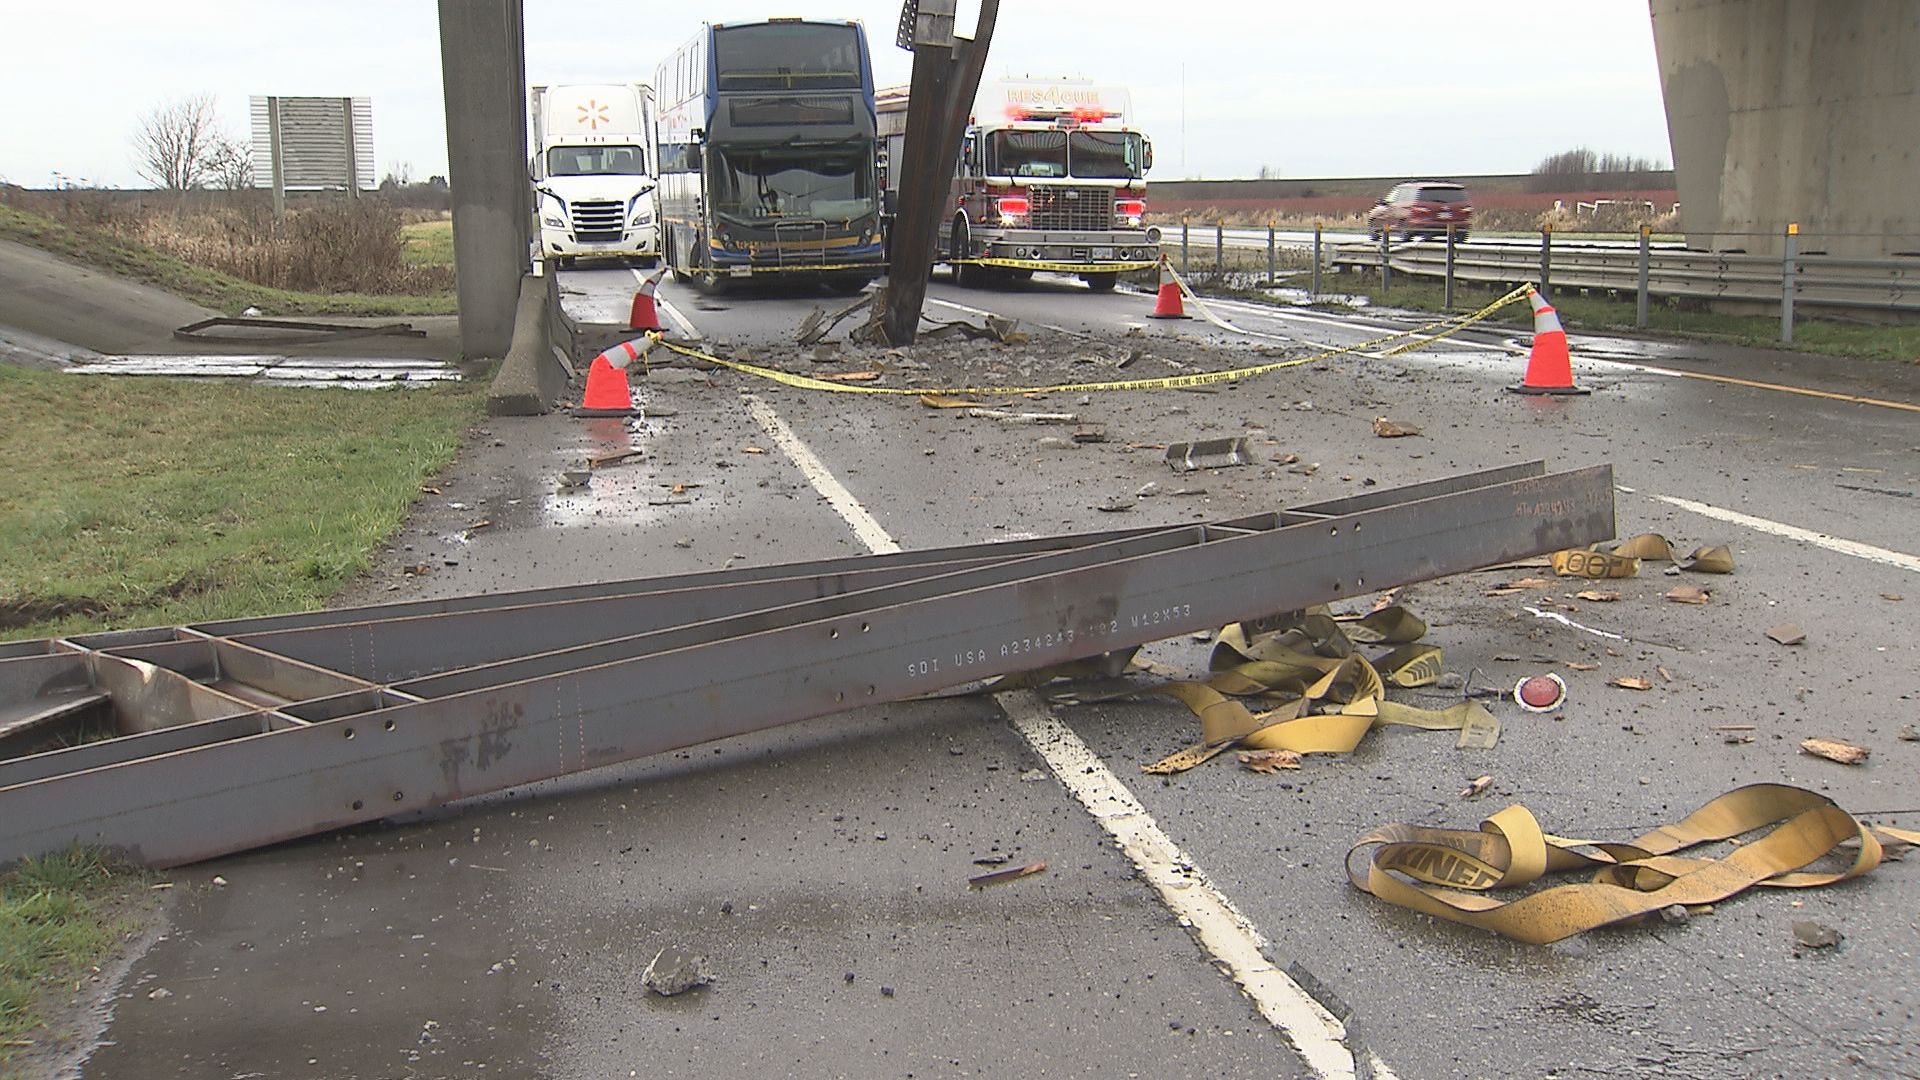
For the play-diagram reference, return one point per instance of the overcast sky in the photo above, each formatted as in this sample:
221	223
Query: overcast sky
1223	87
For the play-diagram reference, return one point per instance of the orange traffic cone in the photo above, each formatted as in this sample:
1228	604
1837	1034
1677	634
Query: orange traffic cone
644	316
608	393
1549	367
1168	304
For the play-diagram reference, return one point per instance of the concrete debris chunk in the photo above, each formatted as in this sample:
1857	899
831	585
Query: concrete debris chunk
675	970
1812	935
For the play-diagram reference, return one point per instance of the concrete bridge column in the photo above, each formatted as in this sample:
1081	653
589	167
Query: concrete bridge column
483	73
1794	111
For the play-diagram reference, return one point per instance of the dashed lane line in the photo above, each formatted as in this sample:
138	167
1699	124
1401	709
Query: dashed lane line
1793	532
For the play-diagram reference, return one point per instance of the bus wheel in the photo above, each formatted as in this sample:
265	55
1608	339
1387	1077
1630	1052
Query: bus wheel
1100	282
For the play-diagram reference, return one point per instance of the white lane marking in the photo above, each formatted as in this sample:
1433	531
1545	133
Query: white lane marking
1793	532
1221	929
1564	621
667	309
864	526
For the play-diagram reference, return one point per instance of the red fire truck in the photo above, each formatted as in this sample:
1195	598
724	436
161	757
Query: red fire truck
1050	177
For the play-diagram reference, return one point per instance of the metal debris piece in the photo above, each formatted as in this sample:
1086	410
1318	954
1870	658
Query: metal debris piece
1008	417
303	332
1208	454
1597	596
616	457
1688	594
675	971
1836	750
818	324
981	881
1090	433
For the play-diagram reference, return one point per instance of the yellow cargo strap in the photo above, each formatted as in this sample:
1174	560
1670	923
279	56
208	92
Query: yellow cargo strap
1445	872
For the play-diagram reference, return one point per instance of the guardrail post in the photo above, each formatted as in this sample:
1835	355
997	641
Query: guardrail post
1271	274
1183	243
1788	260
1386	272
1219	247
1315	291
1546	257
1448	304
1640	308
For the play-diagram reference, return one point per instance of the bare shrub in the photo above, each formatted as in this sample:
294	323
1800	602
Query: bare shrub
174	145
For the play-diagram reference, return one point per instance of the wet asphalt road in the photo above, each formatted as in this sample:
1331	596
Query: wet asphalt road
821	866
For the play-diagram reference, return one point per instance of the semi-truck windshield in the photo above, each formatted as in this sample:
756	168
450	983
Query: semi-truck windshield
1095	155
809	182
596	161
787	56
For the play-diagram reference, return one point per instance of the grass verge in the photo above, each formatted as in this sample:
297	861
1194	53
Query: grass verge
60	915
223	292
428	243
143	501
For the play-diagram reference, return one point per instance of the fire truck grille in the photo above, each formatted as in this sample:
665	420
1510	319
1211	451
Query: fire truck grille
1081	208
597	221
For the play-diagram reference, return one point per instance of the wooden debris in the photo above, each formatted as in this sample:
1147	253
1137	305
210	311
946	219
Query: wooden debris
981	881
1835	750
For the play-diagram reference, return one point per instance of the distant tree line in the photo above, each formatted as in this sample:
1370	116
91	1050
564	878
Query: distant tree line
1582	169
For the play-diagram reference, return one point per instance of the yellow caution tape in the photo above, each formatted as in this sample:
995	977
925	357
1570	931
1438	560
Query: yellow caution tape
1057	267
1172	382
1445	872
796	268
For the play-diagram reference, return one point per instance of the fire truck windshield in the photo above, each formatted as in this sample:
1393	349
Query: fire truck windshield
1105	155
1095	155
822	183
1027	153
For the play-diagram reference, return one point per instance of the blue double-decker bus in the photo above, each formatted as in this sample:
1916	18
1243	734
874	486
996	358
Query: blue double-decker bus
766	146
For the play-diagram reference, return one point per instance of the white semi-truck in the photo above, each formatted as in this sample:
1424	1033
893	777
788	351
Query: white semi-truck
594	171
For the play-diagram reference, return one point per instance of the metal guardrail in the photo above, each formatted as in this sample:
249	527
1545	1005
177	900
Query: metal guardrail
1884	284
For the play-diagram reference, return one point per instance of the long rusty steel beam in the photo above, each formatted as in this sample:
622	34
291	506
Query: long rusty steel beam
237	734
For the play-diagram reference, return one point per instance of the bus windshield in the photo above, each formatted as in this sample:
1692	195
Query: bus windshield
1105	155
596	161
1027	153
831	183
787	56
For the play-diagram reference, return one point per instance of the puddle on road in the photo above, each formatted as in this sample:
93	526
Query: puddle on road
627	493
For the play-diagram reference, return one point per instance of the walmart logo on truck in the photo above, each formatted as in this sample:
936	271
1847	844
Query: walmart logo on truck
592	115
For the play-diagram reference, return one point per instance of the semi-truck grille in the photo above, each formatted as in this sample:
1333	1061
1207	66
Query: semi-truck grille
1083	208
598	221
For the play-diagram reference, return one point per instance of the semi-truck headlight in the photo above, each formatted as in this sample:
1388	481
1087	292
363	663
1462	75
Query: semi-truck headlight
642	216
552	221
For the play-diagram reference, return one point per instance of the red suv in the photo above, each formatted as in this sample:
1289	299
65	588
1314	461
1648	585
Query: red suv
1421	208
